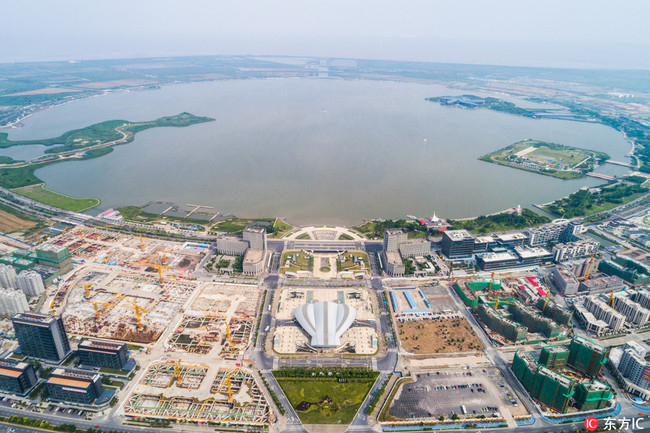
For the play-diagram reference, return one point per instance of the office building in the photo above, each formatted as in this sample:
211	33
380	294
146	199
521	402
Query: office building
457	244
532	256
12	302
41	336
30	282
102	354
231	246
17	377
256	238
415	248
398	247
254	261
70	386
515	239
393	238
393	264
7	277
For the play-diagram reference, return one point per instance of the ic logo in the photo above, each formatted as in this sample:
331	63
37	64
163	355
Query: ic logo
591	423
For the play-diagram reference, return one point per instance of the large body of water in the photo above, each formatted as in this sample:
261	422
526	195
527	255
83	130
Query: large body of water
312	151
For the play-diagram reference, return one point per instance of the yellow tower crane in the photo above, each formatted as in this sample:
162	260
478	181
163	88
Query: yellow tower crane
232	346
136	307
177	373
141	242
228	383
591	261
81	232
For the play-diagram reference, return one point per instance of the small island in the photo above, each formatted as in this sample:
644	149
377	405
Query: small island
549	159
473	101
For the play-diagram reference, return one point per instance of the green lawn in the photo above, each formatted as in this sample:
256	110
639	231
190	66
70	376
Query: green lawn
350	265
304	261
280	228
40	193
331	402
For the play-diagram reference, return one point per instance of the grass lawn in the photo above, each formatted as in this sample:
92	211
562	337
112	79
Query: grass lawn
279	229
349	265
325	401
304	261
40	193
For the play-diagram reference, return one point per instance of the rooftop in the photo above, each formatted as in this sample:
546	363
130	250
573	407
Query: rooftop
531	252
507	237
496	257
458	235
100	344
253	256
393	257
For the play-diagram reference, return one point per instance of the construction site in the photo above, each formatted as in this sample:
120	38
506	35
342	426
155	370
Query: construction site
120	305
219	321
199	393
515	310
126	288
565	379
289	338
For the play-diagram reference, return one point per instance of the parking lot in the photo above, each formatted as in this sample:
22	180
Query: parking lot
482	393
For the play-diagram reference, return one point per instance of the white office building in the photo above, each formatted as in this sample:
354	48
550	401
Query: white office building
12	302
30	282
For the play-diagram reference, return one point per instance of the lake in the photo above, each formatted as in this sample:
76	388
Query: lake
313	151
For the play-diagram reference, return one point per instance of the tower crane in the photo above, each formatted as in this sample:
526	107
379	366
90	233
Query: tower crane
227	382
591	262
136	307
159	267
177	373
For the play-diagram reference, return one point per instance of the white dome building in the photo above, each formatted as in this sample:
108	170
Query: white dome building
325	322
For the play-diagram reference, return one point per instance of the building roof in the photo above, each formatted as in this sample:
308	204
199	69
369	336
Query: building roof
325	322
101	345
531	252
253	256
393	257
507	237
458	235
497	257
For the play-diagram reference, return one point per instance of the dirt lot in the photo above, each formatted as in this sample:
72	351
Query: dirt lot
9	222
438	336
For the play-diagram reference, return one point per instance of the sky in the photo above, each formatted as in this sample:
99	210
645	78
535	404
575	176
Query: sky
550	33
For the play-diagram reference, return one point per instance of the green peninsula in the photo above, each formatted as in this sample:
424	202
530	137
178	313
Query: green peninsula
550	159
85	143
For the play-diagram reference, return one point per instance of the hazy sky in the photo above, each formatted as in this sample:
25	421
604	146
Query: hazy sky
562	33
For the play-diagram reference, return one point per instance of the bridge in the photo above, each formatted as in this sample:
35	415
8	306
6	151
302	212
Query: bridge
624	164
600	175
